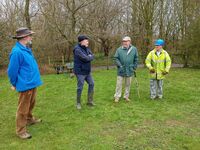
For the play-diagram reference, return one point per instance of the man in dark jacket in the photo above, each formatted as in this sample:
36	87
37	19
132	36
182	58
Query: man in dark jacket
24	76
82	69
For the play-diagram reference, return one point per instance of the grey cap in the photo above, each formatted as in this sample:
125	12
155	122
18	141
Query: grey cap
126	38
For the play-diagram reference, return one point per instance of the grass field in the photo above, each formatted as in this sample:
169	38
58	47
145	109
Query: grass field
169	124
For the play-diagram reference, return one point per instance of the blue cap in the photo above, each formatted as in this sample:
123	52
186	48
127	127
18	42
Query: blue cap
159	42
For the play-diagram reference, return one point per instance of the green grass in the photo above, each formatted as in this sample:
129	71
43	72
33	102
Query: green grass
170	124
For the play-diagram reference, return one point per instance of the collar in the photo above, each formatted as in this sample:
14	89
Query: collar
83	46
161	50
124	48
22	47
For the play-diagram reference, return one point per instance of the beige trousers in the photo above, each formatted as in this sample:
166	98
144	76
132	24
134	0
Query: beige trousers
24	115
118	90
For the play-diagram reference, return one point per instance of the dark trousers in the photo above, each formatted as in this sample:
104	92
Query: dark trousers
80	83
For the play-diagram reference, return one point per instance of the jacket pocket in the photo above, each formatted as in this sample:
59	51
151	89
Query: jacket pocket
85	67
131	69
28	76
121	70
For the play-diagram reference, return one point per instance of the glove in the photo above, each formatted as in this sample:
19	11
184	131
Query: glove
121	68
152	70
164	72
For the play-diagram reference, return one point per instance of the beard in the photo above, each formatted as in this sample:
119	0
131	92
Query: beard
29	44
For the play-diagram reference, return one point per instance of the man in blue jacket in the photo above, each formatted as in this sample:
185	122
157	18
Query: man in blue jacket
24	76
82	69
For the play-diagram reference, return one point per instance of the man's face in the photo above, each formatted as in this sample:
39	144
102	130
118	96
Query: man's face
85	43
158	47
28	40
126	44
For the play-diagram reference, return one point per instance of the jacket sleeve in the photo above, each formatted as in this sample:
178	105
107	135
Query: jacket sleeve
168	62
13	67
83	56
136	58
90	52
117	60
148	61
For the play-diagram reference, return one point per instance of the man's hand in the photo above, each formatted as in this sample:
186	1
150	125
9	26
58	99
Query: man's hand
13	88
164	72
152	70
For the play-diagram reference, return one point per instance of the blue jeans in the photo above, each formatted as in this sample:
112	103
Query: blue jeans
80	82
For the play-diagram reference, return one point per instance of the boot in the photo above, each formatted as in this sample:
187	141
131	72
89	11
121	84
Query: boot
24	136
90	99
116	99
33	121
78	100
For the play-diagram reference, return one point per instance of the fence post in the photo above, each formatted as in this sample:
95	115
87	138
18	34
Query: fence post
49	60
63	60
107	62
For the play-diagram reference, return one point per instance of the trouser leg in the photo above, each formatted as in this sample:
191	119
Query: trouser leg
153	88
80	83
90	82
118	90
160	88
127	86
32	105
23	111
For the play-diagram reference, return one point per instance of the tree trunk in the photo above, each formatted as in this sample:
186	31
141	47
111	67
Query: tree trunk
185	58
27	15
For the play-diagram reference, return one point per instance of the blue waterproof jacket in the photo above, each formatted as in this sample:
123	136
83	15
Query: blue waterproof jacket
23	71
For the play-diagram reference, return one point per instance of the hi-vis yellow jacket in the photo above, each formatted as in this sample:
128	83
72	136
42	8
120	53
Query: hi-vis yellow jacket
161	63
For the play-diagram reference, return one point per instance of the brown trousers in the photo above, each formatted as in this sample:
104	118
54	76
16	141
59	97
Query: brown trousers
24	115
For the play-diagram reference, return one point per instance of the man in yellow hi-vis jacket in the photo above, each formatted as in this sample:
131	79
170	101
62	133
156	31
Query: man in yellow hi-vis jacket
158	62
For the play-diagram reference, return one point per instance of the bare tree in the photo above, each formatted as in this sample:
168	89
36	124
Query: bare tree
59	22
26	14
101	22
63	16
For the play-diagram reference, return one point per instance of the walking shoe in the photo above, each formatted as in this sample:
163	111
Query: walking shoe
116	100
24	135
34	121
78	106
127	99
90	104
153	98
159	97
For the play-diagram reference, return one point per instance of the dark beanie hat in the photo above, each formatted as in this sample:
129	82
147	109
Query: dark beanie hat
82	37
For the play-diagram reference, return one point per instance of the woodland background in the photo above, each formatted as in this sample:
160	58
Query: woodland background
57	24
